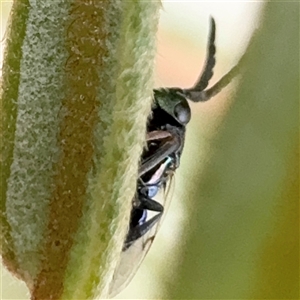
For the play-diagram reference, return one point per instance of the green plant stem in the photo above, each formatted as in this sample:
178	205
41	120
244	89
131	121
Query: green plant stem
75	97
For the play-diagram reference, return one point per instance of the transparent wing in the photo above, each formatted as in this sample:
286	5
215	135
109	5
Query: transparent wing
132	257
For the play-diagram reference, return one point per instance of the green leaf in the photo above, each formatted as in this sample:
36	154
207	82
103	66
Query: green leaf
242	236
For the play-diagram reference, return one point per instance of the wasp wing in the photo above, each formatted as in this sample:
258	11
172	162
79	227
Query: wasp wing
132	257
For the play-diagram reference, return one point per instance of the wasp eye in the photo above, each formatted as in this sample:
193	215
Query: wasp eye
182	112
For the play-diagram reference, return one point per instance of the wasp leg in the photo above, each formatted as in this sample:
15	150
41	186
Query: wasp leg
157	135
140	230
171	145
149	204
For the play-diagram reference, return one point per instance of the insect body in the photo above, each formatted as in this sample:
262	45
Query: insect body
165	140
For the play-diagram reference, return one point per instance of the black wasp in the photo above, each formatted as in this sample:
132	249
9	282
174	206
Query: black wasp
165	140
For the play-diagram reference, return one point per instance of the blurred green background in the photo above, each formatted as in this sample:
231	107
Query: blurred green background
232	230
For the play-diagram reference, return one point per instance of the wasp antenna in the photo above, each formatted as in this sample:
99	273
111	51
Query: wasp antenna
223	82
201	96
207	72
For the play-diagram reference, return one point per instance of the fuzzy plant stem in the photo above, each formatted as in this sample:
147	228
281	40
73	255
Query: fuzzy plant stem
75	97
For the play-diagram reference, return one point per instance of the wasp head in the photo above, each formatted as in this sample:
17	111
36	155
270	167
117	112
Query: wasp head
171	103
